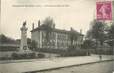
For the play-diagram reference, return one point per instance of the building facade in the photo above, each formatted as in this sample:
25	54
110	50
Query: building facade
49	37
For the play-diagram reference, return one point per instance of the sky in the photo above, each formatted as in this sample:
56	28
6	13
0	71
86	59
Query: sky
65	13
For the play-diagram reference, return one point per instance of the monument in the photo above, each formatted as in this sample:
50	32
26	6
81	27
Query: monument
23	45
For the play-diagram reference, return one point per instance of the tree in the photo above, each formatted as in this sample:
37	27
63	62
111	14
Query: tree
5	39
111	32
97	32
110	40
48	21
49	24
88	44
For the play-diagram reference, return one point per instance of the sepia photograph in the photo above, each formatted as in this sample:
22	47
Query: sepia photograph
56	36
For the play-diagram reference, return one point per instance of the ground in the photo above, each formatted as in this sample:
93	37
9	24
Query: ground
102	67
22	66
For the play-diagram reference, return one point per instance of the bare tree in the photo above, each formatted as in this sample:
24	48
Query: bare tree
49	24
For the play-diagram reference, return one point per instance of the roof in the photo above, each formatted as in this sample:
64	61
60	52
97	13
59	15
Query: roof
44	27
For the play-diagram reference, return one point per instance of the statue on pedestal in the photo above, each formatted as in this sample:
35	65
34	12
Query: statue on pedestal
23	45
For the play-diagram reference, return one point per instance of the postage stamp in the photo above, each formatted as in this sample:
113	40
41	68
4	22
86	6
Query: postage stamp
104	10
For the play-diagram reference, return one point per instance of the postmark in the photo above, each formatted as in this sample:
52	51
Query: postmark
104	10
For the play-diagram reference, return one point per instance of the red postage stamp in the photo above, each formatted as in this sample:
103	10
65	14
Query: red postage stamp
104	10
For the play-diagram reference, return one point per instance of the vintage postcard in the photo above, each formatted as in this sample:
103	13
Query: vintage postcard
56	36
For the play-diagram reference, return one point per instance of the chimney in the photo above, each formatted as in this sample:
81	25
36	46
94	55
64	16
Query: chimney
71	29
39	23
80	31
32	26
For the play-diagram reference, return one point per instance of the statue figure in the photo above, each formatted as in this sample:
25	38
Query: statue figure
24	23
